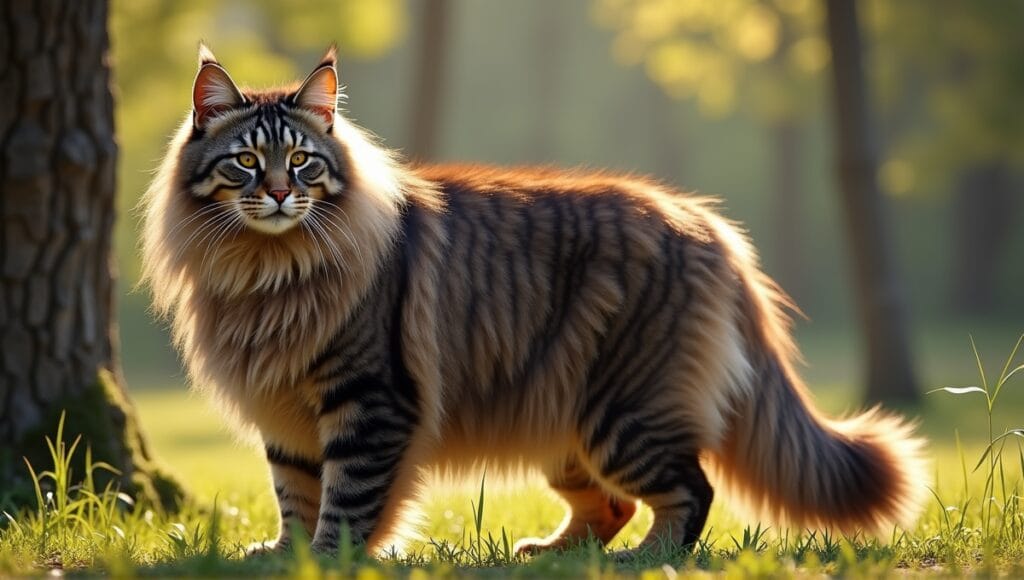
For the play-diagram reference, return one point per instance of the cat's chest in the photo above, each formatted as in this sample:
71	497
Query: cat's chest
266	342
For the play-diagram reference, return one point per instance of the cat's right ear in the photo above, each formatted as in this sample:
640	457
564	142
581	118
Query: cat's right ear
213	91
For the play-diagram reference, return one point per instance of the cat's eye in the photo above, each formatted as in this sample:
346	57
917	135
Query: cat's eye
247	160
298	158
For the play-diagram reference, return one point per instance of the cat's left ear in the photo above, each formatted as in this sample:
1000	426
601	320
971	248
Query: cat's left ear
319	92
213	91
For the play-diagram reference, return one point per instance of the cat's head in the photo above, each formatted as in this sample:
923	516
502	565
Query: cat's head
268	158
262	189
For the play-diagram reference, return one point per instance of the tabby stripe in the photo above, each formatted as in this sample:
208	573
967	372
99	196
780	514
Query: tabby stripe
223	187
205	172
349	392
277	456
634	447
303	173
357	522
599	390
379	417
623	246
604	398
637	359
352	357
490	230
541	346
334	171
345	447
526	247
350	501
403	384
301	499
638	324
512	283
374	466
470	274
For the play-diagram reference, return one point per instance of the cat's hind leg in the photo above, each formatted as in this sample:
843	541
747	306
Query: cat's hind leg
594	513
648	455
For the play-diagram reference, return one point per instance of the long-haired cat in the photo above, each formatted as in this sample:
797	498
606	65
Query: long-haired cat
375	321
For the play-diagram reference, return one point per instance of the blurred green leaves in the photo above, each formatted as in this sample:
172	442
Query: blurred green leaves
949	74
729	55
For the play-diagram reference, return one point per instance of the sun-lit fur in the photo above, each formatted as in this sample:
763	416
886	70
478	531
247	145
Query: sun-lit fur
607	331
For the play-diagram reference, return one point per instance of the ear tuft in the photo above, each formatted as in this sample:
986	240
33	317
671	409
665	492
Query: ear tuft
319	93
206	55
330	57
213	93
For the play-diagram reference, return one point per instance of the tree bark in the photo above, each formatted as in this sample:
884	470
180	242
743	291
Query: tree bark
878	291
430	80
58	340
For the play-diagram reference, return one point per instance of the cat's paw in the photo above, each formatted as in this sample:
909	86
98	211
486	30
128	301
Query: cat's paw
324	548
535	546
268	548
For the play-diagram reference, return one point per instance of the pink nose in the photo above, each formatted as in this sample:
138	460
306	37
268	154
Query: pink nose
280	194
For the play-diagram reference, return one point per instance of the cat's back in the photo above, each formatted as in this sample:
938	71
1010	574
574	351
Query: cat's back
540	262
547	211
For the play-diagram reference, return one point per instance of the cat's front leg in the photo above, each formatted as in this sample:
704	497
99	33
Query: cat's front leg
365	428
296	477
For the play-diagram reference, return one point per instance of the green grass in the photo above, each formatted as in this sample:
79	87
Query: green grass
469	529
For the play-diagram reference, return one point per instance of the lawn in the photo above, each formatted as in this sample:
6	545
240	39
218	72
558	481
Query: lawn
468	530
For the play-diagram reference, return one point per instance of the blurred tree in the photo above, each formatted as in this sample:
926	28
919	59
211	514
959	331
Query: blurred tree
761	57
879	293
59	339
984	212
430	71
952	87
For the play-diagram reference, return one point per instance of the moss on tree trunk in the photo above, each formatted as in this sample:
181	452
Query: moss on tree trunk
108	425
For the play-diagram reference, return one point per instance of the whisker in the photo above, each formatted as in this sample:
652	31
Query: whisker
209	228
339	260
321	211
306	230
199	213
205	227
215	241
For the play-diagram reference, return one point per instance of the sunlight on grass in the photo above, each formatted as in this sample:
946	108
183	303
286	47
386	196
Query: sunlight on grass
975	523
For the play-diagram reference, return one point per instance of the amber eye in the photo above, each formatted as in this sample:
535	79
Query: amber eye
298	158
247	160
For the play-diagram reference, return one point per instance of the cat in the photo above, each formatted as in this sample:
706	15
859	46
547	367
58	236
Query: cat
376	321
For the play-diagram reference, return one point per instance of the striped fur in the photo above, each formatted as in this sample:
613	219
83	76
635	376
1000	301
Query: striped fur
609	332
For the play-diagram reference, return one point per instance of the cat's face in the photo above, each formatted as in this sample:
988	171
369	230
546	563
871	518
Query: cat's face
264	161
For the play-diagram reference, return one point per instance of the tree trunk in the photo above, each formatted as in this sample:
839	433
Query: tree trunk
430	80
787	206
983	208
58	340
878	291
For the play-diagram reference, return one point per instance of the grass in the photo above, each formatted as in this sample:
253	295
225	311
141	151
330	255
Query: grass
974	525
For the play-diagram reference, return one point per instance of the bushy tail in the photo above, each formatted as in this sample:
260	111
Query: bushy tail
793	464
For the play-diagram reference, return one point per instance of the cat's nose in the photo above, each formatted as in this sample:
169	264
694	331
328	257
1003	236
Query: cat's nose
279	194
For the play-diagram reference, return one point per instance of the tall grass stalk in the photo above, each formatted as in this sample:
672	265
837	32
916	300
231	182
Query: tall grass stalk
1008	500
